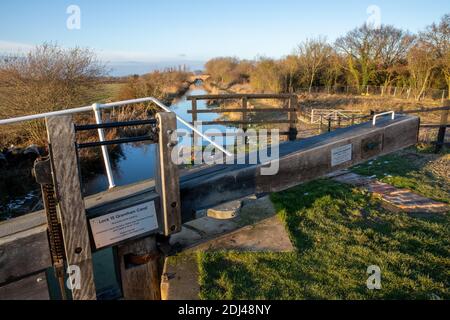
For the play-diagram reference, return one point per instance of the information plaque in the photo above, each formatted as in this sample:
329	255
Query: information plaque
341	155
124	224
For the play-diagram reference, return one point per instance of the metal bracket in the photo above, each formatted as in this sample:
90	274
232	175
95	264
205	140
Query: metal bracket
42	171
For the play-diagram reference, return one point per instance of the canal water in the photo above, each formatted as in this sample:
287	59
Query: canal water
137	161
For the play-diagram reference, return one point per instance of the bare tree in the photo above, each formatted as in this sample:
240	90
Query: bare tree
334	69
394	46
223	70
437	37
267	76
422	65
46	79
313	55
291	69
372	53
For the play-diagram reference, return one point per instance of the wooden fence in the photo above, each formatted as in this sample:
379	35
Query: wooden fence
382	91
246	121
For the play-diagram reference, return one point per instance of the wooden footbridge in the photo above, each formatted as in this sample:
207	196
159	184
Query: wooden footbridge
135	219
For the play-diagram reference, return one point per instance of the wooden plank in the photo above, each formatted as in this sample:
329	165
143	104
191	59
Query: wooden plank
61	137
30	288
194	110
442	129
24	253
22	223
138	262
240	96
244	115
195	139
253	110
167	178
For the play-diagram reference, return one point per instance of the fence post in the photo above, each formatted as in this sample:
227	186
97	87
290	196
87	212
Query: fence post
244	118
138	265
329	124
167	175
74	227
321	123
293	117
443	96
441	134
194	120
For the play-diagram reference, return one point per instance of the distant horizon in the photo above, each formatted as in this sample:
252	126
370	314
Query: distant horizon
128	68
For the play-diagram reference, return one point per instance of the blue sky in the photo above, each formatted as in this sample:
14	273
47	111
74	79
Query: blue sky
160	30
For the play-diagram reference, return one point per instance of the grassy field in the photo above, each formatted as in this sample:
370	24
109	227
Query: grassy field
107	92
339	231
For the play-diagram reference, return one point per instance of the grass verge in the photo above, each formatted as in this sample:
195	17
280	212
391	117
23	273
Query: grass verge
415	169
338	233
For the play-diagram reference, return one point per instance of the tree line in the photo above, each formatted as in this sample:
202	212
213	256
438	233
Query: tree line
384	56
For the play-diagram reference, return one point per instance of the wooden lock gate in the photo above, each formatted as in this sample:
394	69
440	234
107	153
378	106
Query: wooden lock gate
131	228
25	240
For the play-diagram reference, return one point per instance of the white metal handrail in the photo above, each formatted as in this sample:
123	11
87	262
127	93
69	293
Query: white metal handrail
374	121
96	107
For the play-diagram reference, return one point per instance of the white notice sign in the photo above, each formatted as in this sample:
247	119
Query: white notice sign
124	224
341	155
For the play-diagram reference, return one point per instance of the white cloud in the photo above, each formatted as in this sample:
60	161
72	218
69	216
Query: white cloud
9	47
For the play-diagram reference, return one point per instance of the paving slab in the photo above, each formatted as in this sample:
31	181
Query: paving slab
268	235
395	199
252	210
180	278
256	229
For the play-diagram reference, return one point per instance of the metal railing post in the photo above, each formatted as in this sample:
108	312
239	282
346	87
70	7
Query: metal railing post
101	135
